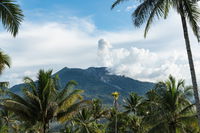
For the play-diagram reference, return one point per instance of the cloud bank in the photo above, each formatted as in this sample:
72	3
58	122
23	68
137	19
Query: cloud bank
142	64
74	43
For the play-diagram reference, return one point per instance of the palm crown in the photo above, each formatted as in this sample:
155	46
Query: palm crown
149	10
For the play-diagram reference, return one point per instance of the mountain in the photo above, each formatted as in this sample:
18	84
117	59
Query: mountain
99	83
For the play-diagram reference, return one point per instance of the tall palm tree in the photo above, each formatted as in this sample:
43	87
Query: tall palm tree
170	109
115	104
43	100
189	12
11	16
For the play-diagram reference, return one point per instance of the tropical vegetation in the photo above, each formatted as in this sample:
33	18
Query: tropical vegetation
43	106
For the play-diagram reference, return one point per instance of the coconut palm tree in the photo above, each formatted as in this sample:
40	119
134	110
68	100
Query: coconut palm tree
189	12
133	103
86	123
135	109
115	104
97	110
170	109
137	124
89	119
11	16
122	122
43	101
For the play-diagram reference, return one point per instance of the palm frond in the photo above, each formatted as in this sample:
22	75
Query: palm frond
192	13
17	98
34	100
158	11
159	128
17	108
117	2
70	99
31	84
142	12
71	84
63	116
4	61
11	16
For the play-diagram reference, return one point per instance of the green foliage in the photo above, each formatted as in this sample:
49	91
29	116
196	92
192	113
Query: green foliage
166	108
11	16
4	61
133	104
86	122
42	101
170	108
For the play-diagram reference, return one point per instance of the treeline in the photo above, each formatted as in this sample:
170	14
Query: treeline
45	107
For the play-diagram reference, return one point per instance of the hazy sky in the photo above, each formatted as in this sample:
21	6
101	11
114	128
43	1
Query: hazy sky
73	33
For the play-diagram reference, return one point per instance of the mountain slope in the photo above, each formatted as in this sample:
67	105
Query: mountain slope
98	83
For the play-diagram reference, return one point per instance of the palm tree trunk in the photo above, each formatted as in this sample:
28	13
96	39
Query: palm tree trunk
115	105
191	64
172	127
44	124
44	128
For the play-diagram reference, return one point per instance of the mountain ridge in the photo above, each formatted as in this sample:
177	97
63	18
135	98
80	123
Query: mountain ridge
97	82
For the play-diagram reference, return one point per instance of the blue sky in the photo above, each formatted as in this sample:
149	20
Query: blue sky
98	10
70	33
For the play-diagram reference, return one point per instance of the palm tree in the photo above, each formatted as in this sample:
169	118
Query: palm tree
97	110
170	109
89	119
137	124
115	104
135	109
11	16
43	101
133	103
123	123
187	9
86	123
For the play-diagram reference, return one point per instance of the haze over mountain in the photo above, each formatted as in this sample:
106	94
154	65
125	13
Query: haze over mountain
99	83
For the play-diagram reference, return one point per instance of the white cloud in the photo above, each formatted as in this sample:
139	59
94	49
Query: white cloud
143	64
54	45
49	45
